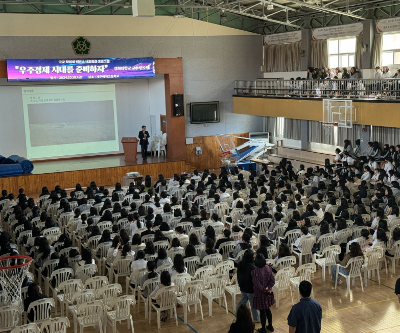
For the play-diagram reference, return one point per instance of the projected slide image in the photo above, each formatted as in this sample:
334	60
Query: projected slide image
71	122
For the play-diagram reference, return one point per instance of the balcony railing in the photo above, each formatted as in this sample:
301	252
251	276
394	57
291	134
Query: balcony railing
366	89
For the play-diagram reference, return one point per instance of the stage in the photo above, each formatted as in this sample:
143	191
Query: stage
104	170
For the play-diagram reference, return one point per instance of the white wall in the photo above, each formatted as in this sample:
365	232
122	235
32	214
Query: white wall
285	75
157	100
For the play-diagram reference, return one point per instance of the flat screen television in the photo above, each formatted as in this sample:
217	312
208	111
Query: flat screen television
204	112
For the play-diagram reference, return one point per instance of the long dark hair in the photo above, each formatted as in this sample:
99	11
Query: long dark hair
244	321
179	265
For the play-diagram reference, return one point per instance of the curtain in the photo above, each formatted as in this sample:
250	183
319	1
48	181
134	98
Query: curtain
319	53
359	45
270	124
282	57
292	129
389	135
377	50
315	132
351	134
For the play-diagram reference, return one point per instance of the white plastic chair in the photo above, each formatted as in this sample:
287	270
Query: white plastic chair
85	272
282	282
68	289
212	259
29	328
162	268
135	278
217	285
55	325
144	294
395	257
180	281
191	264
100	255
167	298
291	235
234	290
163	244
285	262
191	295
90	314
80	297
327	258
226	248
174	251
41	310
324	241
96	282
121	310
371	263
306	244
49	266
204	274
120	267
355	266
224	268
59	275
303	273
9	317
108	293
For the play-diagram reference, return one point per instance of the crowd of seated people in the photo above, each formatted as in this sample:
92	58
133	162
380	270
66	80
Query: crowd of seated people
195	215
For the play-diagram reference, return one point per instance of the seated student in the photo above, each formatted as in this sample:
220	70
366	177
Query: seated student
139	263
159	236
178	266
151	269
277	221
244	245
309	212
180	233
283	251
188	217
165	281
163	259
190	251
63	263
209	248
86	257
33	296
209	233
134	223
304	233
264	243
226	238
291	226
149	226
355	251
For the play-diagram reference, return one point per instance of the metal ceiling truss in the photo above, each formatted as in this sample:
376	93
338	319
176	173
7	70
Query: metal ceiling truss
264	16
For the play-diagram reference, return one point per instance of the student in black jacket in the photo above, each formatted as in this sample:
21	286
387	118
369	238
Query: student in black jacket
246	283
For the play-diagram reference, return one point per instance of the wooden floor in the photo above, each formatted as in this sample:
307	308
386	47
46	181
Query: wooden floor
374	310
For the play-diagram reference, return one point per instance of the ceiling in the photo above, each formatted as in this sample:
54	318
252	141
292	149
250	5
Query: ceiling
259	16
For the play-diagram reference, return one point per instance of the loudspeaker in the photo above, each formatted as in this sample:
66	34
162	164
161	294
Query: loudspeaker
178	104
143	8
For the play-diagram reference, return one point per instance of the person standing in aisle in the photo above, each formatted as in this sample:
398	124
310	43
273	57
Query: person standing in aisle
144	141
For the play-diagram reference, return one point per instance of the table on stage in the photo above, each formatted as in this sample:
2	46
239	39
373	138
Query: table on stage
126	180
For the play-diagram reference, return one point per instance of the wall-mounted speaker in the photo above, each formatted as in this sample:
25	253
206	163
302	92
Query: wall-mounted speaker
177	100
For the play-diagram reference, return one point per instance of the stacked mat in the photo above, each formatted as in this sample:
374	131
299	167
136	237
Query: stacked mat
14	165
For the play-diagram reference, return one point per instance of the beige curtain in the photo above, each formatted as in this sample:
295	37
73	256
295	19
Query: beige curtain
389	135
292	129
351	134
359	45
377	50
270	124
319	53
282	57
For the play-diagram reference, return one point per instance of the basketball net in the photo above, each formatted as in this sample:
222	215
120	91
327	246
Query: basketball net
13	271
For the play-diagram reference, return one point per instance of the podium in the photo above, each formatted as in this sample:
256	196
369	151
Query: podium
130	148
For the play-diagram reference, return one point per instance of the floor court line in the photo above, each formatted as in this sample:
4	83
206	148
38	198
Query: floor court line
187	325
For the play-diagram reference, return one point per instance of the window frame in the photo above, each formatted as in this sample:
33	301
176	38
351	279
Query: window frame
340	54
393	51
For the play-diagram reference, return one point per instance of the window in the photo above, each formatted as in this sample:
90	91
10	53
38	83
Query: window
342	52
391	49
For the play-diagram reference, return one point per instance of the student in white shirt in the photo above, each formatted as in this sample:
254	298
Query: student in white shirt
304	233
337	158
134	223
179	266
372	164
223	194
367	173
375	176
139	263
388	165
195	175
347	158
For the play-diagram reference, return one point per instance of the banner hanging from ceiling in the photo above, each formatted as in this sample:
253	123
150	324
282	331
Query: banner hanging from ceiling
286	37
338	31
388	25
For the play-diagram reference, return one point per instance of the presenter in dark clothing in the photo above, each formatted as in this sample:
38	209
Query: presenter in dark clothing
144	141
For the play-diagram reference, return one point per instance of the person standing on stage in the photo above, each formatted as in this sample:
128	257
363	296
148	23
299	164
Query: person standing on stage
144	141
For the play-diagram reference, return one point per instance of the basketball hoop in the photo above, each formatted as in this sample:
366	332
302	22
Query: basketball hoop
13	271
